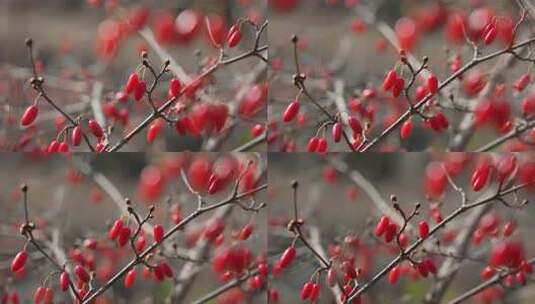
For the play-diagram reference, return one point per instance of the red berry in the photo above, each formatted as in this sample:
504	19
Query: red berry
257	130
154	130
115	229
29	115
53	147
130	278
39	295
19	261
81	273
487	273
481	175
526	267
63	147
422	269
263	269
291	111
442	120
313	144
158	273
355	125
49	296
132	84
256	282
287	257
174	88
490	36
322	145
390	233
306	291
406	32
95	128
76	136
382	225
337	132
213	229
140	243
393	275
158	233
399	85
234	36
432	84
509	229
390	80
423	229
522	82
121	97
508	254
331	277
140	90
64	281
166	269
245	232
124	236
521	278
430	266
234	39
91	243
505	167
403	240
406	129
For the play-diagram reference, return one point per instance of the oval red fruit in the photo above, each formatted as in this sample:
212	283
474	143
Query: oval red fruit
81	273
158	233
287	257
132	84
64	281
390	80
29	115
115	229
432	84
95	128
130	278
337	132
306	291
383	223
406	129
423	229
76	136
19	261
291	111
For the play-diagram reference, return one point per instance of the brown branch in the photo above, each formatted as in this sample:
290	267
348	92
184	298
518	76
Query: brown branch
37	84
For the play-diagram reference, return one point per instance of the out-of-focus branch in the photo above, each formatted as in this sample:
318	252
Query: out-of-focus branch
363	183
96	104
